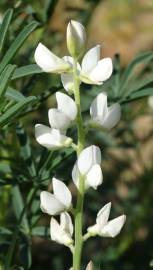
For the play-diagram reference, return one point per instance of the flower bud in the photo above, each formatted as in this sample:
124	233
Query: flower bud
76	37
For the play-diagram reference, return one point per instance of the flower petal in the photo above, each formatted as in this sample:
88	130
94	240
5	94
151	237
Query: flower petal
113	116
48	61
89	157
62	193
66	105
90	60
98	109
67	81
103	216
113	227
49	204
50	138
90	266
93	230
58	234
75	175
94	177
67	78
66	223
55	231
102	71
58	119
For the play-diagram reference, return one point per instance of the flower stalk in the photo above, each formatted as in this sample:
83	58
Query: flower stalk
80	198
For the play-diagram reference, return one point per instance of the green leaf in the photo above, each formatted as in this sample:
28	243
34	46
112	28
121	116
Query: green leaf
4	231
142	58
26	71
12	112
5	78
25	252
139	94
13	94
18	207
4	27
17	43
40	231
139	84
25	150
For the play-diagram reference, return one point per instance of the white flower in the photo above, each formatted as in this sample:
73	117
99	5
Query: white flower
103	115
94	70
65	113
51	138
49	62
60	201
106	228
62	233
76	37
67	78
88	165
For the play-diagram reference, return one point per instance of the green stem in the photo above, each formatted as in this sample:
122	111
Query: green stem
80	197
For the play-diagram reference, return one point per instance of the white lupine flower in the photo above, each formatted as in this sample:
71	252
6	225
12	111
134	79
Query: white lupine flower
88	165
67	78
49	62
59	201
103	115
51	138
76	38
65	113
106	228
62	233
94	70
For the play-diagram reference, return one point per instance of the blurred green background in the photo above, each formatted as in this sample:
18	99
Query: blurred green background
123	28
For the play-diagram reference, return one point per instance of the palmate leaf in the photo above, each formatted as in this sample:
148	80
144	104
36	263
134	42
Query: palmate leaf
4	27
12	112
17	43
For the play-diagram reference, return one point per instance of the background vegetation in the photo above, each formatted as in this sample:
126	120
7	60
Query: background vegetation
124	28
